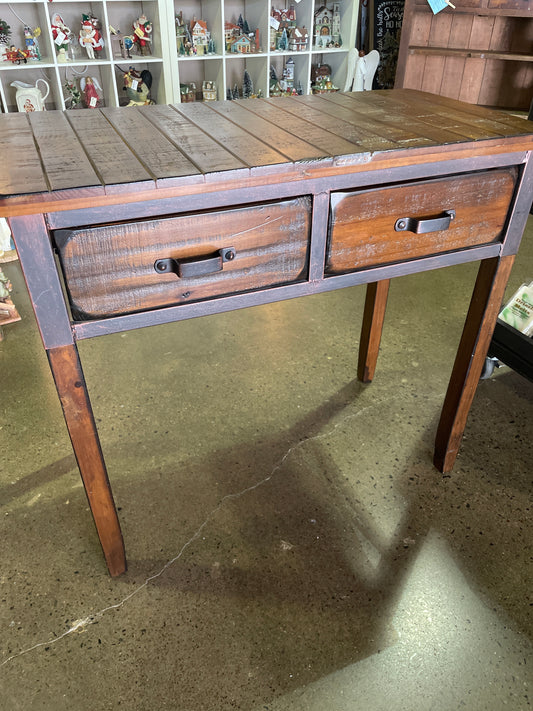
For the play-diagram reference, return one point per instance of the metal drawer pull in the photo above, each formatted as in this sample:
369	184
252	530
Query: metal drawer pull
194	266
420	226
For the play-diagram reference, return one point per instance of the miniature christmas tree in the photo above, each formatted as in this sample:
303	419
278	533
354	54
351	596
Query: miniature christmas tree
240	22
235	94
283	43
247	86
229	94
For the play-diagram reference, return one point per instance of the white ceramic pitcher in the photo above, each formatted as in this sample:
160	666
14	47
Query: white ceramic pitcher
30	98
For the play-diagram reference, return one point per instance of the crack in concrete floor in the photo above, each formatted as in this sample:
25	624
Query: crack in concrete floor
81	624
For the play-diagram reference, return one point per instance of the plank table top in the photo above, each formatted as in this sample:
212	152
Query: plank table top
99	154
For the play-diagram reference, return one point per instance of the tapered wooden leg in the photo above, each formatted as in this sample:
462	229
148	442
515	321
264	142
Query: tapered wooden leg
70	383
373	317
473	347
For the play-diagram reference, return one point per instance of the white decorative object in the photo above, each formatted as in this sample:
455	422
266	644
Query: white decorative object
361	70
29	97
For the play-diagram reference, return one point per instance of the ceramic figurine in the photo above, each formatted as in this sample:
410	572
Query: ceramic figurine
361	70
121	44
327	29
73	95
209	91
32	43
137	87
90	37
142	29
61	35
16	56
187	92
200	36
90	88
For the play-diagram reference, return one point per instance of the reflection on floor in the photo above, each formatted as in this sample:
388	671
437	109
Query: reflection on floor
290	545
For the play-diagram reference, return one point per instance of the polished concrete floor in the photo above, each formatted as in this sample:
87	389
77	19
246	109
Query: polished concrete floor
290	545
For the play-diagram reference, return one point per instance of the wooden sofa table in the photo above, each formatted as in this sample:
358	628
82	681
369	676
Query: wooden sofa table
129	217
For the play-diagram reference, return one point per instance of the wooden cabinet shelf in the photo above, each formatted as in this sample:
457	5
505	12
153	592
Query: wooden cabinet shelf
480	53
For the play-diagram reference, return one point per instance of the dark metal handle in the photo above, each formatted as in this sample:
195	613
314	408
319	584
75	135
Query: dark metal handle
196	266
421	225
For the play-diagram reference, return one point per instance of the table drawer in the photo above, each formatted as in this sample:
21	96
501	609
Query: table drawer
391	224
128	267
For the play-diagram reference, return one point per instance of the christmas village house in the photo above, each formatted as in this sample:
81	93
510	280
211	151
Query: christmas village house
327	29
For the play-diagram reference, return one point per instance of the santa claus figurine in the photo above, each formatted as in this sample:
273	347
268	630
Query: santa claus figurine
61	33
90	37
142	29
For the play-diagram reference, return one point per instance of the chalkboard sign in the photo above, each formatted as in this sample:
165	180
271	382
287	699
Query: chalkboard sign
386	23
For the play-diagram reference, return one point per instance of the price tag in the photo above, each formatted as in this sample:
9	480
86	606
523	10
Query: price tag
134	84
274	23
93	102
60	38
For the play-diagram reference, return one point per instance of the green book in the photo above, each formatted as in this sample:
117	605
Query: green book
518	312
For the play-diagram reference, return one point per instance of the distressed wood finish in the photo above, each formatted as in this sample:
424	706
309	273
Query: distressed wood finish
479	53
475	340
307	190
372	325
72	391
363	224
110	270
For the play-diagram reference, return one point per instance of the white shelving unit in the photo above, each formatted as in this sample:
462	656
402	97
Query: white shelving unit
227	68
108	67
167	67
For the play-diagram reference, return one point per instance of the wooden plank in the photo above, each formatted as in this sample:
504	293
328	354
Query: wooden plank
289	144
414	71
439	35
323	115
247	148
156	151
482	27
65	162
455	122
452	77
460	31
326	141
350	107
111	157
433	73
502	123
398	114
200	149
20	158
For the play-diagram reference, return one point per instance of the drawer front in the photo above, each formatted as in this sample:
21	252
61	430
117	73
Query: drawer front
117	269
390	224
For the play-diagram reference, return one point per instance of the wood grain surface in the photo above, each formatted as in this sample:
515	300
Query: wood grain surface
110	269
363	223
157	147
